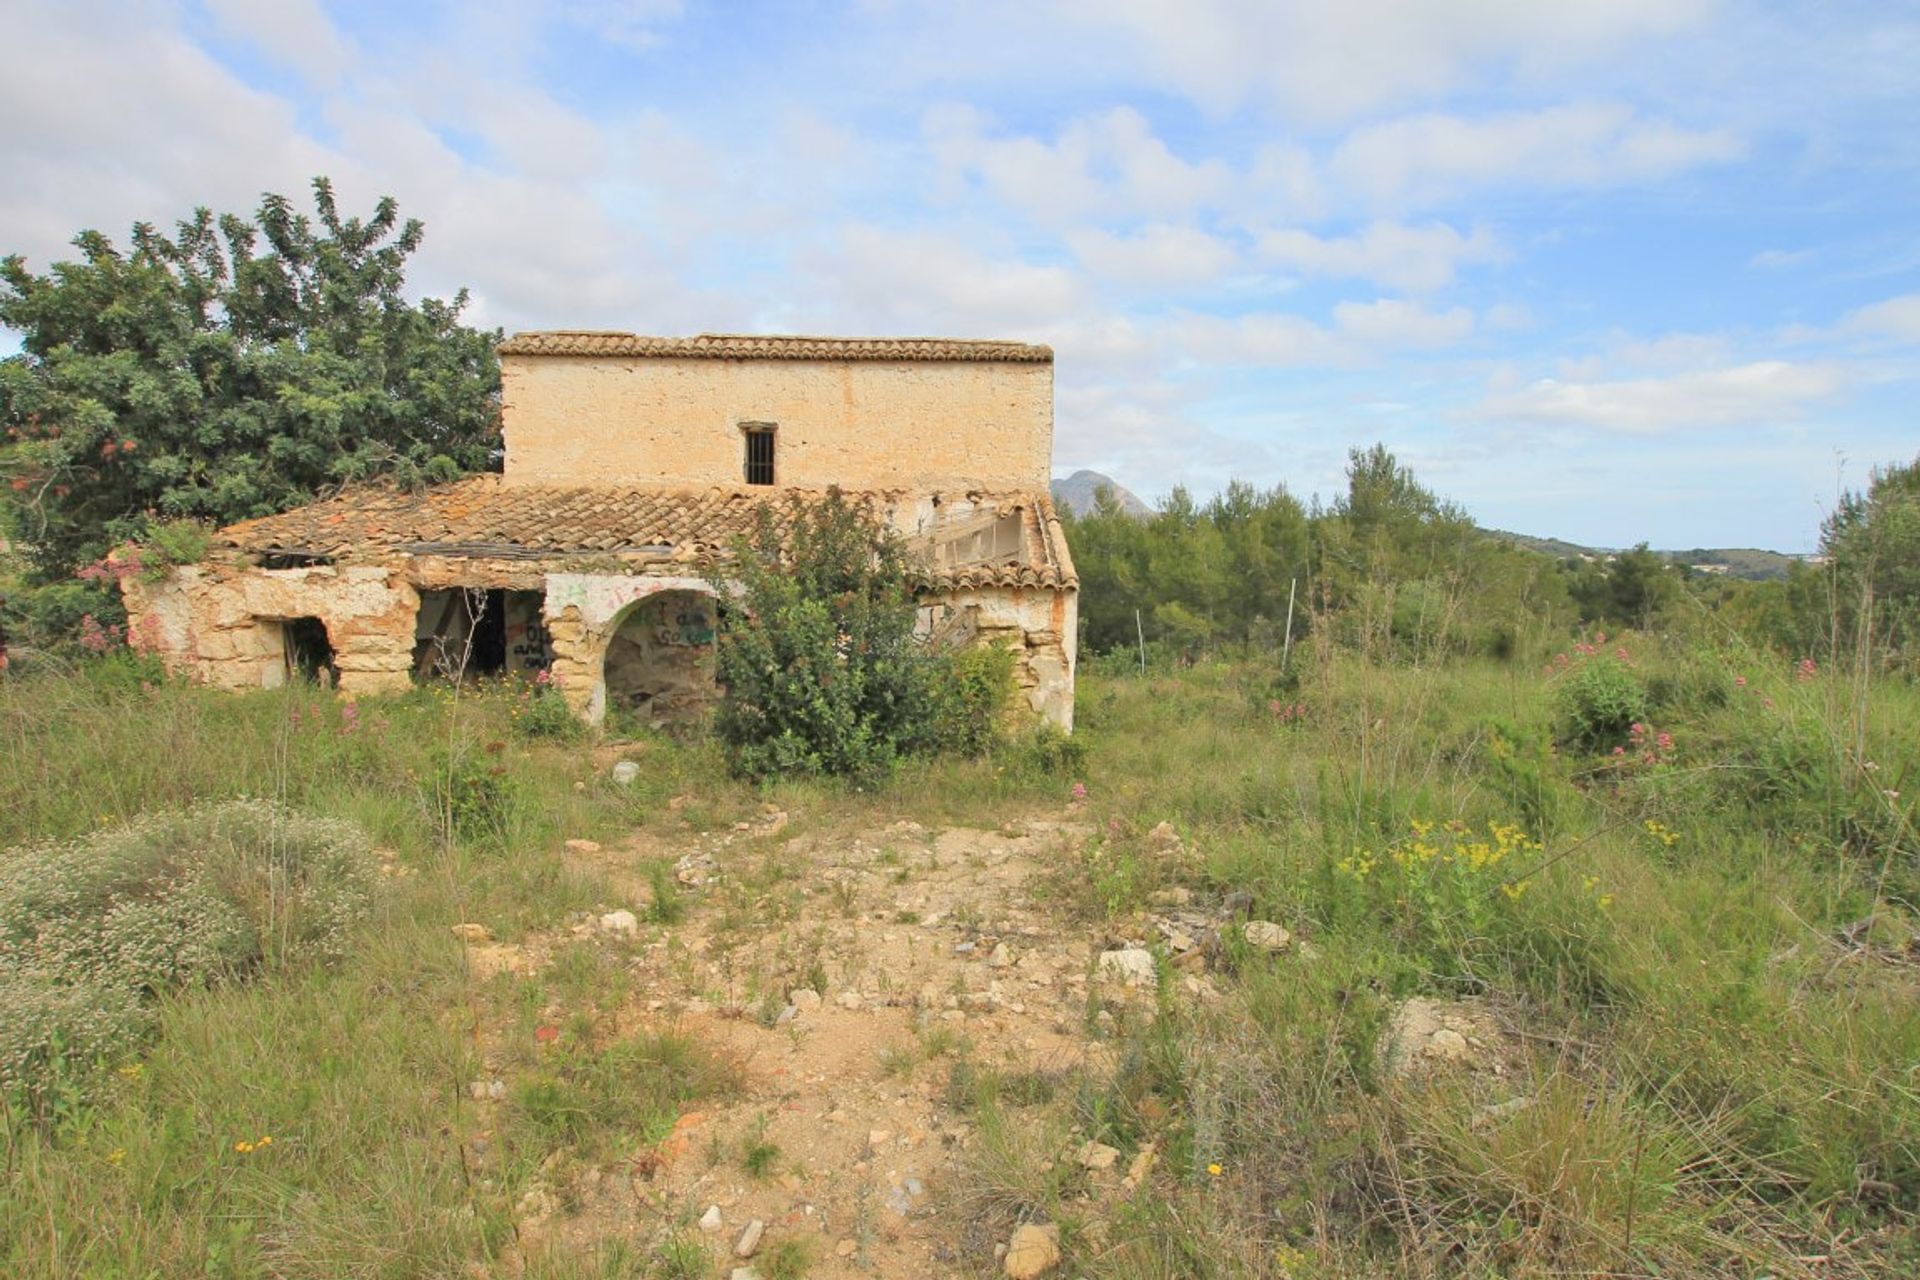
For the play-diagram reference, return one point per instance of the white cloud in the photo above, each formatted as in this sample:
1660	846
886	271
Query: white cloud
297	33
1110	164
1396	323
541	250
1897	318
1361	333
1398	256
1328	62
882	280
1760	393
1774	259
1157	256
1426	159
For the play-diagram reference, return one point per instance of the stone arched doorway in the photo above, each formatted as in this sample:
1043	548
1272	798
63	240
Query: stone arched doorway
660	660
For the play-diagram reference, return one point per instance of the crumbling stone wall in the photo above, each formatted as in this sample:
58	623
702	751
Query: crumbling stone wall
221	623
218	623
1041	626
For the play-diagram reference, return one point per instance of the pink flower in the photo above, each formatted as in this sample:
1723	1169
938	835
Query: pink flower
1806	670
1739	682
1079	793
1619	751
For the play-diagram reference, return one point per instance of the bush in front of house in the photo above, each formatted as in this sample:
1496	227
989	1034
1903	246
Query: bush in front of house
820	667
93	928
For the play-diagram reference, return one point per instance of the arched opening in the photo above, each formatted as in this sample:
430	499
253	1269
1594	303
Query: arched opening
660	662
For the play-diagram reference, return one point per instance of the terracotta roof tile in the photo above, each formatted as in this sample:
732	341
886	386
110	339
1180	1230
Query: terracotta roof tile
743	346
484	517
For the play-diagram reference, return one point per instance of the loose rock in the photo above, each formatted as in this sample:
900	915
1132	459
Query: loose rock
622	924
472	933
1266	935
1131	965
749	1242
1097	1155
625	772
1033	1252
710	1220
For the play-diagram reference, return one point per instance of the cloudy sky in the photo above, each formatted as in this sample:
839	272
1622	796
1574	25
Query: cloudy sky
1610	270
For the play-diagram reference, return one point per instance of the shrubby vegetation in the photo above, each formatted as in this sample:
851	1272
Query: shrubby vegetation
93	929
819	667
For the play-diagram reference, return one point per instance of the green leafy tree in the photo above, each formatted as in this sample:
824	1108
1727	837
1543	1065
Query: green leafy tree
1871	543
233	369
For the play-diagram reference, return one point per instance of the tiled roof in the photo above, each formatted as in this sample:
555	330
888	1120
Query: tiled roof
484	517
745	346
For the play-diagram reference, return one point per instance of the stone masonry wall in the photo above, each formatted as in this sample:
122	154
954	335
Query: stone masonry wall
219	623
918	426
1041	627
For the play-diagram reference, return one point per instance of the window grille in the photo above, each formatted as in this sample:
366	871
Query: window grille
759	445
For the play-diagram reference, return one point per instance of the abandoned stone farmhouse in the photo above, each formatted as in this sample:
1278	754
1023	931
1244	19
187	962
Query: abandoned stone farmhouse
599	553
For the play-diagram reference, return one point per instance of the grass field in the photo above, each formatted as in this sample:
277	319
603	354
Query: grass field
1700	949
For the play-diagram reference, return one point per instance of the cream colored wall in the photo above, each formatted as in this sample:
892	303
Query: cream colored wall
921	426
219	624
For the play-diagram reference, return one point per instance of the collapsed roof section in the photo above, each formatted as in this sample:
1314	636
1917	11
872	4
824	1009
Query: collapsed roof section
971	541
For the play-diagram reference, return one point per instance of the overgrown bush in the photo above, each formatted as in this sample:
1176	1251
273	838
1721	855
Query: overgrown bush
821	669
1598	701
91	928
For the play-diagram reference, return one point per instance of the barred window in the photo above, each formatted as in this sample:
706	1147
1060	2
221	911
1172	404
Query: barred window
759	446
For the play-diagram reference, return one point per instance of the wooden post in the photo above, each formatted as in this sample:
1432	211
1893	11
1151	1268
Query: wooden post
1141	631
1286	645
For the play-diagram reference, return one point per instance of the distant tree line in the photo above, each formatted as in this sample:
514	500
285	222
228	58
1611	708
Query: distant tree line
1390	565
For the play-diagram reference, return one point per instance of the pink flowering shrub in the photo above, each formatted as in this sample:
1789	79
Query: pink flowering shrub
1598	697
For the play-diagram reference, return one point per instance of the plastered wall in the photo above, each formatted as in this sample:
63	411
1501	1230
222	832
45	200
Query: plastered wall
922	426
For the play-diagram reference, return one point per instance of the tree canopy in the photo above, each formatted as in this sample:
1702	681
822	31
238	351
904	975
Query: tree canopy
234	368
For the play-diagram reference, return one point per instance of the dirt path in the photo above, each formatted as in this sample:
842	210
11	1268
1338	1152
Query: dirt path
847	972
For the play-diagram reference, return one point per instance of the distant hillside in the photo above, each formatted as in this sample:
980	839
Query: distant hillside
1740	562
1075	493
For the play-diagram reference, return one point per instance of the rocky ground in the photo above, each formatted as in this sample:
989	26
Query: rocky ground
856	977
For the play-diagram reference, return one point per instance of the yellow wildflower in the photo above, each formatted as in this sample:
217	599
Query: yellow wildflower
1214	1170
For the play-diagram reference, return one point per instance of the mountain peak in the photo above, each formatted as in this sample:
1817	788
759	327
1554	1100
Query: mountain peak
1075	493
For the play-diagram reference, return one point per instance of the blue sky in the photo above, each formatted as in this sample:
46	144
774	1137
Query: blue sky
1609	270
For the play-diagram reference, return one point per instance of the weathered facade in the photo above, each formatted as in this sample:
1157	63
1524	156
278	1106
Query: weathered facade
632	466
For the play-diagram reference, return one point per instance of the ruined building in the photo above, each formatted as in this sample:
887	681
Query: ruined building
600	552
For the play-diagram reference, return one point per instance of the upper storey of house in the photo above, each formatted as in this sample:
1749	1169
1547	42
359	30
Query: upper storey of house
912	415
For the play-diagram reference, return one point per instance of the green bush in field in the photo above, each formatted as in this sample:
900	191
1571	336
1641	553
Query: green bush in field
820	666
90	928
1598	702
539	710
